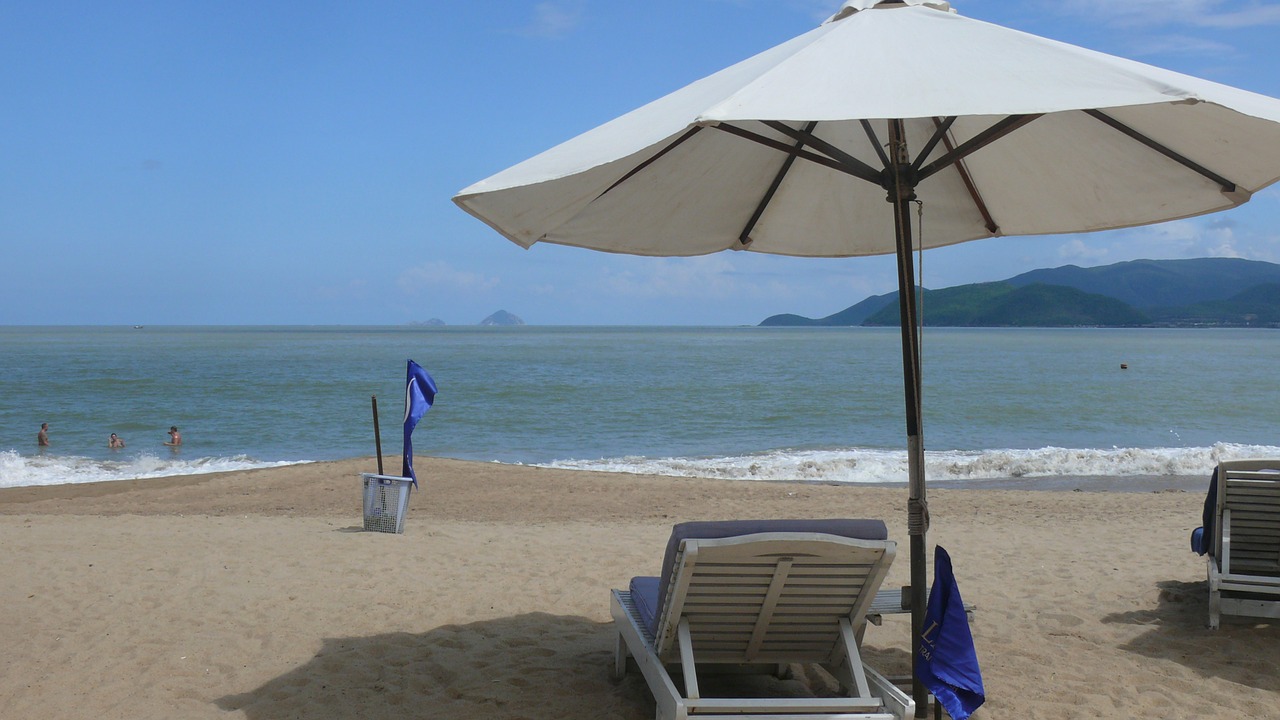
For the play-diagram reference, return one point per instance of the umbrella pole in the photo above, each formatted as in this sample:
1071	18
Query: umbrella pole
901	189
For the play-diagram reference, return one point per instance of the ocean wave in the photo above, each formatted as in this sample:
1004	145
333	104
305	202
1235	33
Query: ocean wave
861	465
21	470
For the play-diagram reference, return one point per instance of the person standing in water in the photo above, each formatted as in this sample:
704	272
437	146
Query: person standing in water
42	437
115	442
175	437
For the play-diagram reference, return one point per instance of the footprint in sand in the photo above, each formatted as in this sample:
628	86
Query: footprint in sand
1058	620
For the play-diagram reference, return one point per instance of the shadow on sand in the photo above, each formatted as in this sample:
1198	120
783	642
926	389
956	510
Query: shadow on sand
534	666
1243	651
529	666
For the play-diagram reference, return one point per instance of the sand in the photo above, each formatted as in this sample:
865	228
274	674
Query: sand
256	595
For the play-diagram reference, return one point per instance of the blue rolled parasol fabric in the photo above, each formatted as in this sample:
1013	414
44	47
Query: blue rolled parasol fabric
419	395
948	662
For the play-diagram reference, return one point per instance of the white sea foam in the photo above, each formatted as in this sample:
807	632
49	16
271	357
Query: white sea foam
881	466
20	470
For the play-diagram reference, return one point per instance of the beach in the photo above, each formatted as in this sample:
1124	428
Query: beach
256	594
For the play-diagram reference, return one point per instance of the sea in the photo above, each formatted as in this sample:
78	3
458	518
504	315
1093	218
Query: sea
1055	409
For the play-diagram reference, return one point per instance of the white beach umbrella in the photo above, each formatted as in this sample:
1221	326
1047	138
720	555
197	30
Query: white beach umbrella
796	150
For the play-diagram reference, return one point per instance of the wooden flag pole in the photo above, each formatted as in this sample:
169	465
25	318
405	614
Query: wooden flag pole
377	434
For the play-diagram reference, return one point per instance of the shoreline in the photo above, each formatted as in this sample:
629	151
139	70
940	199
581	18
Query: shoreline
256	594
1055	483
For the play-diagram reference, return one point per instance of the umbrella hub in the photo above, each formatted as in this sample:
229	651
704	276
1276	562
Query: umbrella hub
849	7
901	186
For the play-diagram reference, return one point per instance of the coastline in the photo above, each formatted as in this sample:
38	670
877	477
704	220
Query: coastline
209	466
254	594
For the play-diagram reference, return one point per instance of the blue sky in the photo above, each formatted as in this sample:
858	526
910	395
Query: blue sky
177	162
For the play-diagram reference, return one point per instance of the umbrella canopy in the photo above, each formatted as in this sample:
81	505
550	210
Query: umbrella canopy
1154	145
795	151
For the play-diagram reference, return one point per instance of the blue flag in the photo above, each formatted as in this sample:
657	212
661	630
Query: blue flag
948	663
419	393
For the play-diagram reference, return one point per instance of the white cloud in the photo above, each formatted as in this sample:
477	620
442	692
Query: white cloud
1197	13
1178	239
742	279
435	276
736	287
707	276
553	19
1191	238
1077	252
818	10
1133	12
1182	44
1219	240
1251	16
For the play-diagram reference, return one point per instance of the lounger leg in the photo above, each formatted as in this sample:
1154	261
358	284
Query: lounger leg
854	659
619	658
1215	597
687	663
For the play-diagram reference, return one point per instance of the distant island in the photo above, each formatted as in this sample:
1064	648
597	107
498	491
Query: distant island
502	317
1203	292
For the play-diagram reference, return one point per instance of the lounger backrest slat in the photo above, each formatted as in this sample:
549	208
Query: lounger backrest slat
770	597
1249	497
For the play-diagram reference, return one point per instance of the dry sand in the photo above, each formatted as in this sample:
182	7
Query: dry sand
256	595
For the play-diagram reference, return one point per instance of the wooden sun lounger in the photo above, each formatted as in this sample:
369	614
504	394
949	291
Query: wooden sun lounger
754	602
1244	566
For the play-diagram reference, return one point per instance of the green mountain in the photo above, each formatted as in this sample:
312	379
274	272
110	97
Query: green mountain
1257	306
1000	304
1224	292
854	315
1160	283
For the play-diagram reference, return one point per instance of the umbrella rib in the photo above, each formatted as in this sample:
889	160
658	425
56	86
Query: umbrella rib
977	142
939	133
688	134
745	236
1227	185
875	142
865	171
802	154
969	185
